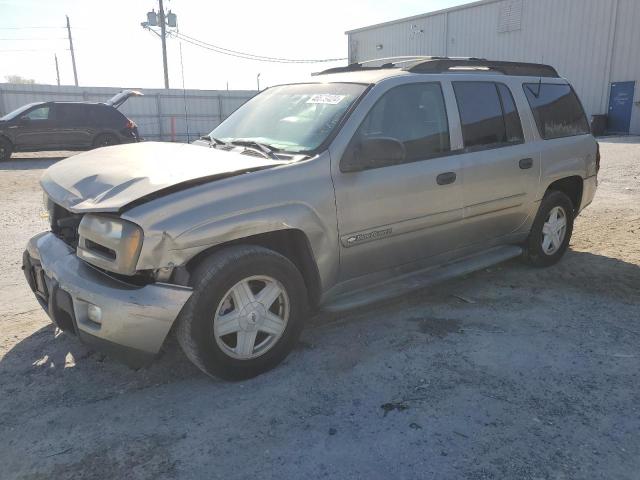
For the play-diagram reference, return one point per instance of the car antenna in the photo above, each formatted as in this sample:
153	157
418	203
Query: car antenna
536	94
539	88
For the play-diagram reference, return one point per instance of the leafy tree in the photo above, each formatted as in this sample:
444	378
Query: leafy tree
19	79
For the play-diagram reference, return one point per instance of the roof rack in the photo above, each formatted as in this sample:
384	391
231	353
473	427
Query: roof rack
443	64
424	64
388	62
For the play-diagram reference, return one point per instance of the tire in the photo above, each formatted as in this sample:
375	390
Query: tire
105	140
6	149
204	319
542	248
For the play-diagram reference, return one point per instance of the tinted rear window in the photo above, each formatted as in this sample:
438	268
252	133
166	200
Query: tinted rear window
512	123
556	109
71	114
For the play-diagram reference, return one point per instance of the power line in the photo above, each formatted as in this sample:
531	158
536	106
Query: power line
29	39
28	50
249	56
25	28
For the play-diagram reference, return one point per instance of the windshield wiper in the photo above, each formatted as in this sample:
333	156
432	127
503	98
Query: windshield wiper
268	150
213	140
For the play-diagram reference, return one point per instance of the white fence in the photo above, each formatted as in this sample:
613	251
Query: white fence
168	115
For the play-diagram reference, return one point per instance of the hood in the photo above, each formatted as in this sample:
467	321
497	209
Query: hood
110	178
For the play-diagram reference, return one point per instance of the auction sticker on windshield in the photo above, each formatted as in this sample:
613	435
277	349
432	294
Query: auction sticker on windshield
326	98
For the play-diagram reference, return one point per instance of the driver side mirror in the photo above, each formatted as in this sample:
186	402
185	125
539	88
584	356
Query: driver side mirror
373	153
24	120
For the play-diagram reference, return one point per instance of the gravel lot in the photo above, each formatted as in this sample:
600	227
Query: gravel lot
530	374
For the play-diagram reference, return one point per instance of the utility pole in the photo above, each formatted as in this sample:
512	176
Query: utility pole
258	80
57	69
163	37
166	20
73	57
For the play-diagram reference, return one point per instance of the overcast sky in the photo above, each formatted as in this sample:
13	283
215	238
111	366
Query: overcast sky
112	49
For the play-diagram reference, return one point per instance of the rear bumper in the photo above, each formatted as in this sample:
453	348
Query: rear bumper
135	320
129	137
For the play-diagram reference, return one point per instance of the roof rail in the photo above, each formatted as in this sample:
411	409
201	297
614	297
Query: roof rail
444	64
426	64
352	67
388	62
398	59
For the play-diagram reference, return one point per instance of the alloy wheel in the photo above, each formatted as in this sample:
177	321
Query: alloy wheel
251	317
554	230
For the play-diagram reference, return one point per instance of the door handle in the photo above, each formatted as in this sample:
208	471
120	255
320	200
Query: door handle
446	178
526	163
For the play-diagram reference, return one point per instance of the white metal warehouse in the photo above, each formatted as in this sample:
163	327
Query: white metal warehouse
595	44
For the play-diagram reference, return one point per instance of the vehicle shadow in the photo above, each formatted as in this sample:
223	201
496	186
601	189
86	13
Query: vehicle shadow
49	354
619	139
29	163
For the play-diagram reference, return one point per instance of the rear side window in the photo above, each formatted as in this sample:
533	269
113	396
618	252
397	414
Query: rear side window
488	115
512	123
413	114
71	114
556	109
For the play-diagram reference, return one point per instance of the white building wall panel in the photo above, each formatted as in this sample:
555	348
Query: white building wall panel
408	38
590	42
625	65
567	34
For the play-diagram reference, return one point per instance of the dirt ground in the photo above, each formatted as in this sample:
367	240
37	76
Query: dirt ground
530	374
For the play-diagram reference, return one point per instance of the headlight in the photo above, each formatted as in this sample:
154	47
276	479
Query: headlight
110	243
47	206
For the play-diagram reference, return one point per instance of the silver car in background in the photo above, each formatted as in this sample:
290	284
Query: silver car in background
359	185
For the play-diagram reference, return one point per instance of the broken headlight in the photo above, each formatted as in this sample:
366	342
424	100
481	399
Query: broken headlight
110	243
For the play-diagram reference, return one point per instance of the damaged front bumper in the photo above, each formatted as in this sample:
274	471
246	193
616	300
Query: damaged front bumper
127	321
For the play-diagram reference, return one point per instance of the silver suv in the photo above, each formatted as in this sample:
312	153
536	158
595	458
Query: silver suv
359	185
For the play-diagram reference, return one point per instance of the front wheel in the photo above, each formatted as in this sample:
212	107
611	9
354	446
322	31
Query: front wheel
551	230
6	149
246	312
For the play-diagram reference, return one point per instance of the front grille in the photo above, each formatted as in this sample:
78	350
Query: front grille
64	224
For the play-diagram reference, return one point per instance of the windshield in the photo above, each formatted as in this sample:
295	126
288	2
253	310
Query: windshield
17	111
294	118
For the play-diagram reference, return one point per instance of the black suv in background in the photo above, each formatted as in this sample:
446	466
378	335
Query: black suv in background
66	126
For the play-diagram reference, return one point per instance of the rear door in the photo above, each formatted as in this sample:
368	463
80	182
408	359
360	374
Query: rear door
71	125
501	171
397	213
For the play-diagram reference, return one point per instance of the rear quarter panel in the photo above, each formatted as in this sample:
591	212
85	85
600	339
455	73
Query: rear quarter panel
566	157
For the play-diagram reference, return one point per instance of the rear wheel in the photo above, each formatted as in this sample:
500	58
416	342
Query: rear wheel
246	312
551	231
105	140
6	149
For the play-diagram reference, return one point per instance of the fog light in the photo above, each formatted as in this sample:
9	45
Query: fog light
94	313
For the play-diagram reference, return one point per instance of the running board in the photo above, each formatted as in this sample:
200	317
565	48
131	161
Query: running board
422	278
